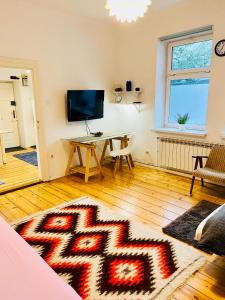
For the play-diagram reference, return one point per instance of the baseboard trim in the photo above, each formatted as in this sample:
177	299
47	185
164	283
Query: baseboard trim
20	187
151	166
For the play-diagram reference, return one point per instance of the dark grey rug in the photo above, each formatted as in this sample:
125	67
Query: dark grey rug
29	157
184	227
14	149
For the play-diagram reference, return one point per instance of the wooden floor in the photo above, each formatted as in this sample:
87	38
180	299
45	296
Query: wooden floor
17	173
151	196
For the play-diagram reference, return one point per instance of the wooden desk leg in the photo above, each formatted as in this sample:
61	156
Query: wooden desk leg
97	162
104	151
80	156
72	150
117	162
87	168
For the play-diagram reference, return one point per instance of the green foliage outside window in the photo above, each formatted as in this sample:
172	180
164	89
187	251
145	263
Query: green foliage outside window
192	56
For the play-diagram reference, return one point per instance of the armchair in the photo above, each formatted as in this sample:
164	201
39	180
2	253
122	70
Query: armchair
214	169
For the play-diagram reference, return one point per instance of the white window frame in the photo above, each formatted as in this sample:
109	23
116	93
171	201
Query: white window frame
183	74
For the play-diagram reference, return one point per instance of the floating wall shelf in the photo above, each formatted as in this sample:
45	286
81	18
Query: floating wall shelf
133	97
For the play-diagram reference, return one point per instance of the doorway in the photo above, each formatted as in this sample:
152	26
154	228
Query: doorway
19	165
8	115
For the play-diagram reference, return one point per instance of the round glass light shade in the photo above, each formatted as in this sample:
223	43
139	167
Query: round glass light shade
127	10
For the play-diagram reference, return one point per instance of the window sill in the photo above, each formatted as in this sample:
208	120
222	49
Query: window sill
176	131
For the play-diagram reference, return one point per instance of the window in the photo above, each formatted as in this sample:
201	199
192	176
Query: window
188	78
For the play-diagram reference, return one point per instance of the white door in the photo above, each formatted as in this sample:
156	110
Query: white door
8	117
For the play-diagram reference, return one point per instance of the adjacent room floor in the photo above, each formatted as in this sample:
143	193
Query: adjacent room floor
151	197
16	172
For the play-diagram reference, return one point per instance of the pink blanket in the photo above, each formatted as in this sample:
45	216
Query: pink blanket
24	275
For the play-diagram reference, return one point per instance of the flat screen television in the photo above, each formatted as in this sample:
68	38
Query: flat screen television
85	105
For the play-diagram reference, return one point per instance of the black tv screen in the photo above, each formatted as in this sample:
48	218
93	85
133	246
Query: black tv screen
85	105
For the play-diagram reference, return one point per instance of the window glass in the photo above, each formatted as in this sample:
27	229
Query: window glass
189	96
192	56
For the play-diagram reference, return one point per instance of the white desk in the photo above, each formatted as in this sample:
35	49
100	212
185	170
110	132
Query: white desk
2	146
92	139
88	142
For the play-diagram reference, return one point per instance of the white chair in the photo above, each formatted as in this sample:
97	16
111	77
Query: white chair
119	155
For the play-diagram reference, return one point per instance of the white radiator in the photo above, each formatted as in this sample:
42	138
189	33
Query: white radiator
176	154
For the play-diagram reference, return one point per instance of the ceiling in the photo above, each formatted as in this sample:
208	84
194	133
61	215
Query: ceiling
94	8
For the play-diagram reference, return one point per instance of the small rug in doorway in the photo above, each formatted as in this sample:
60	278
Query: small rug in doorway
14	149
185	226
29	157
102	255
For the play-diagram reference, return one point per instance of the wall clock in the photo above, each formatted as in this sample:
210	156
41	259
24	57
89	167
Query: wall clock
220	48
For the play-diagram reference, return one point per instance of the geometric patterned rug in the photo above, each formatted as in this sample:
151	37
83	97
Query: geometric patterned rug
104	256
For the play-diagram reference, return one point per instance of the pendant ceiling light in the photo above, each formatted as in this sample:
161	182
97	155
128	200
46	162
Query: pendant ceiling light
127	10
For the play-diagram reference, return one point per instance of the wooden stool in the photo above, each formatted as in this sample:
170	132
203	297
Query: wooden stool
118	155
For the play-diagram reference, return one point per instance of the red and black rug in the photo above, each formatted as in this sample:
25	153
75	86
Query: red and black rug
104	256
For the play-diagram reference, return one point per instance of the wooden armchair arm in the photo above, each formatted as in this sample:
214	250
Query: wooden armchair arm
199	160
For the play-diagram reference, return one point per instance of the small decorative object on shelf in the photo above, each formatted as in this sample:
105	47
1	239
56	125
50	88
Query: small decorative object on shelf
119	89
127	95
138	92
182	120
128	86
118	92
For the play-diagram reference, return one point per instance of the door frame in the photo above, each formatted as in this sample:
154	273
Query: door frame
5	62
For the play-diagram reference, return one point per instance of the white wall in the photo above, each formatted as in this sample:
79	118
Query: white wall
139	46
24	105
72	53
83	53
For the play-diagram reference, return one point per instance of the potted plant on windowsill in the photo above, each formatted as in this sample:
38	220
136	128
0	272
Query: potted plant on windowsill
182	120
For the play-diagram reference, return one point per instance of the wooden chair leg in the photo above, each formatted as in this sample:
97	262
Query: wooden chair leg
129	163
130	156
117	162
192	185
131	160
202	181
121	163
122	146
